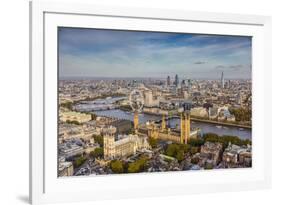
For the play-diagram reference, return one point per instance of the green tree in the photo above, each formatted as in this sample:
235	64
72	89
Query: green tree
98	152
194	150
79	161
185	147
172	150
225	139
153	142
133	168
177	150
241	114
117	166
180	155
98	139
72	122
138	166
196	142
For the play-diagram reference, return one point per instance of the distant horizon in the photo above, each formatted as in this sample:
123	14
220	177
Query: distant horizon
91	53
147	78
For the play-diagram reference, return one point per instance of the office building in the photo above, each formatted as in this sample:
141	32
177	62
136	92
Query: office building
176	80
222	80
168	81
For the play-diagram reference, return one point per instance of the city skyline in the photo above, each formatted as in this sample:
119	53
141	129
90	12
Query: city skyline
95	53
133	102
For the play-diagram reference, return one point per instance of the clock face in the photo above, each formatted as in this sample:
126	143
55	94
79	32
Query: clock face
136	100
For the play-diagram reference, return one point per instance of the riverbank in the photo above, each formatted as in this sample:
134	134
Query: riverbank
221	123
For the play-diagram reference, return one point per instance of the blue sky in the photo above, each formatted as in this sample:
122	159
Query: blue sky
113	53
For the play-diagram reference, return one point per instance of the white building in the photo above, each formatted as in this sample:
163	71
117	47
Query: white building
75	116
235	155
210	152
199	112
65	168
125	145
149	99
70	149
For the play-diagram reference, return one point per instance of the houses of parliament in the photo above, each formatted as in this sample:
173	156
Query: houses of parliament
129	144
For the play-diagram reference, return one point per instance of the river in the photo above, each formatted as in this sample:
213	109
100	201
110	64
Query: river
205	127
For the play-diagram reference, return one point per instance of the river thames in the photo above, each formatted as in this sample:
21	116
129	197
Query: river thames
205	127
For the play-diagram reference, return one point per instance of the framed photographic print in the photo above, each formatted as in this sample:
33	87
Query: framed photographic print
129	102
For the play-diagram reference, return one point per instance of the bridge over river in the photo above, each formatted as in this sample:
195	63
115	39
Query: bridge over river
208	121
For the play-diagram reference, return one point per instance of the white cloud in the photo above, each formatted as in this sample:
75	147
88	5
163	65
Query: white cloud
137	55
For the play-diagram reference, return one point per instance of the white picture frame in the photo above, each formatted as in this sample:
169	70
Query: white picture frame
45	187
